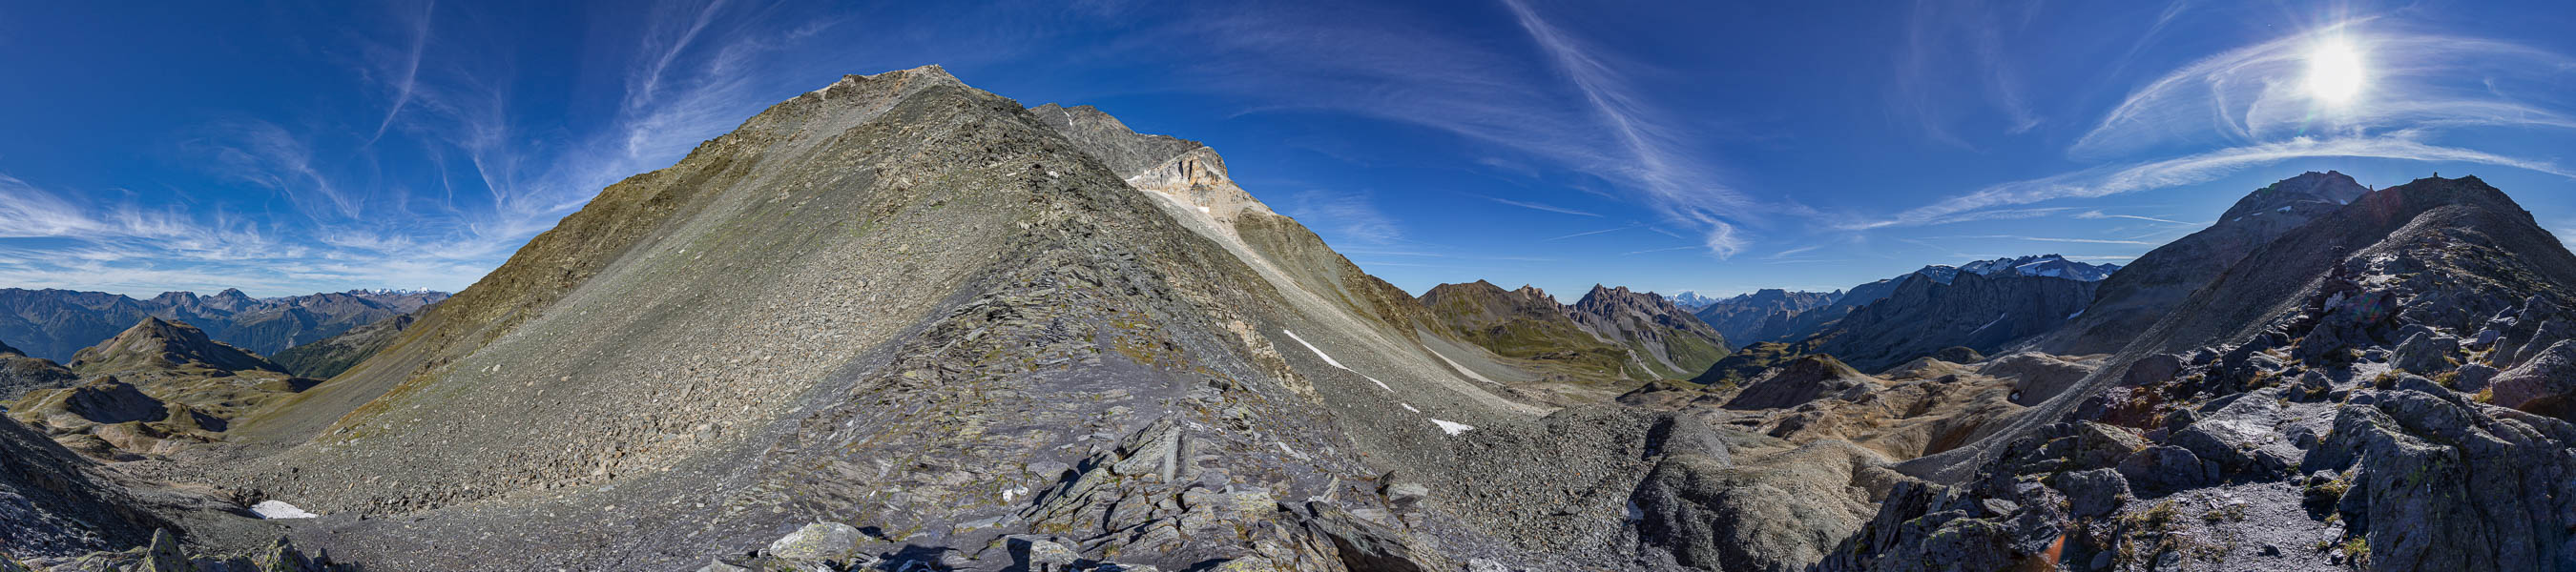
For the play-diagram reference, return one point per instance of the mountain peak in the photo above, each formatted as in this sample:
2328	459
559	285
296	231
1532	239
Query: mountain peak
154	343
2306	195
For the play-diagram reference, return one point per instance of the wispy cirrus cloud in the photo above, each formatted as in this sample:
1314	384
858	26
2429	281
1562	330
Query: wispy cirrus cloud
2192	169
2102	215
1353	215
1593	232
1684	190
1577	107
2415	81
2059	239
1957	51
1536	206
406	71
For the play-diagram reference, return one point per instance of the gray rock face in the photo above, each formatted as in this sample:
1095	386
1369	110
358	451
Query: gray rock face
2442	484
2425	353
2541	384
1674	341
1123	150
2093	493
1782	515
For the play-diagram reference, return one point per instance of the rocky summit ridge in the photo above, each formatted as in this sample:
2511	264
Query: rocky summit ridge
952	328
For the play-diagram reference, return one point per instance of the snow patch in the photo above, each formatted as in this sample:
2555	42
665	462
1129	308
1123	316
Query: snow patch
1328	360
1999	318
276	509
1204	210
1453	427
1380	384
1409	407
2077	313
1461	369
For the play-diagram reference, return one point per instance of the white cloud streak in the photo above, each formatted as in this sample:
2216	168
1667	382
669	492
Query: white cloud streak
1537	206
2101	215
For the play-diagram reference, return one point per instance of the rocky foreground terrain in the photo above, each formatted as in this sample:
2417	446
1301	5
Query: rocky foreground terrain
899	323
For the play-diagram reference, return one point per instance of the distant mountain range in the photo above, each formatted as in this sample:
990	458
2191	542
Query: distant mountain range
52	324
2049	265
1785	316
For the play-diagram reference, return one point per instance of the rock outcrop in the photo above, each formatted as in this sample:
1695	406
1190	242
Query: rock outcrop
20	374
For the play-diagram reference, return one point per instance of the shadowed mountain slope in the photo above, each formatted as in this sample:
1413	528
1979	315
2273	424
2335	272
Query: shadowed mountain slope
330	356
1761	315
1975	311
2149	287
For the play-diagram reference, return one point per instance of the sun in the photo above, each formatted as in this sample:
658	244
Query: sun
2336	72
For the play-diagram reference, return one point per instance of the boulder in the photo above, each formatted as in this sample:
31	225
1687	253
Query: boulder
818	542
2092	493
2541	383
1363	546
1925	527
2474	378
2439	483
2153	369
2164	469
1782	515
1040	555
2425	353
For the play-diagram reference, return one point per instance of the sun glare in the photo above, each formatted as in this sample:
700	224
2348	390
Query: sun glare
2335	72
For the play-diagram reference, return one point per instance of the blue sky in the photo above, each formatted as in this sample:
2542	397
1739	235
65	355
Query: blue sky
288	148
